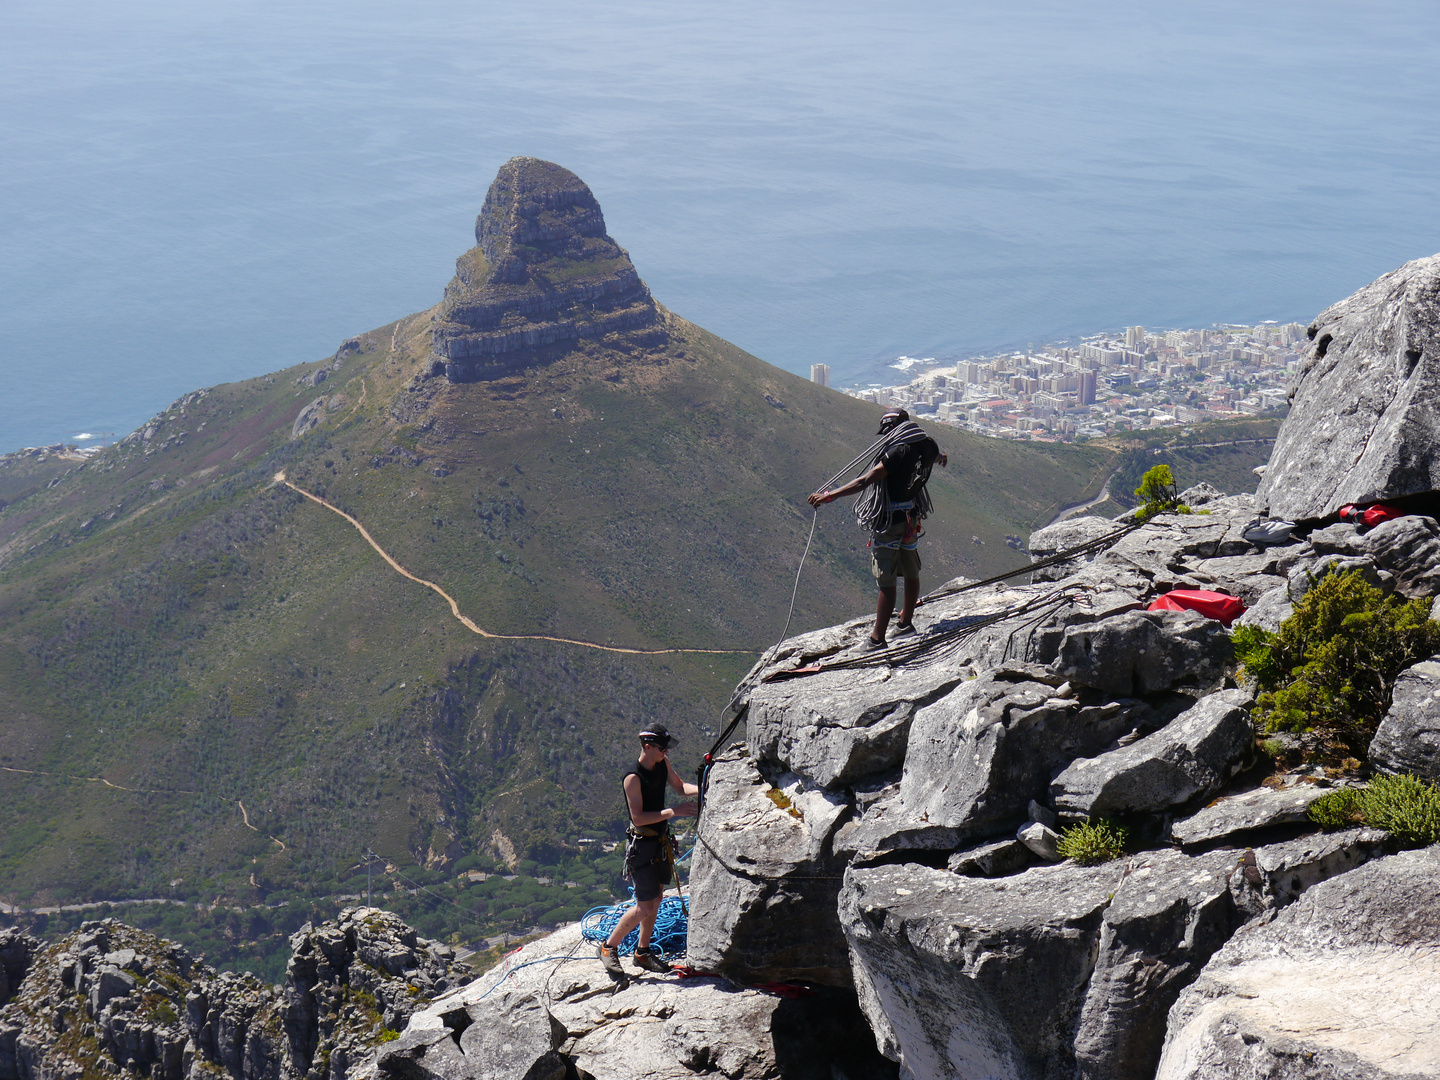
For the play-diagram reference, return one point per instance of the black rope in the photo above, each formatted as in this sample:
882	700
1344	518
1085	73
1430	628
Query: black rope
1095	545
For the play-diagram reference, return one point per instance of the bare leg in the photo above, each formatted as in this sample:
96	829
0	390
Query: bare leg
884	608
649	912
644	913
912	597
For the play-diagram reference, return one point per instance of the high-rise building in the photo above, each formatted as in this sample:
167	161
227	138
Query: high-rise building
1135	337
1087	387
820	373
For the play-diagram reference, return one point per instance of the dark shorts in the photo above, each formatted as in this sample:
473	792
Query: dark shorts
888	563
648	876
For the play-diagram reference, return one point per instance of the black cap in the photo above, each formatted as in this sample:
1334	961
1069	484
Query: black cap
891	418
658	735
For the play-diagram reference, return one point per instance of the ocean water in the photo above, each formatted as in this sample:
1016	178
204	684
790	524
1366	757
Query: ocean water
192	193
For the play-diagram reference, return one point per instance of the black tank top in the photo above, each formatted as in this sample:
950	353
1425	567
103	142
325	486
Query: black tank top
652	785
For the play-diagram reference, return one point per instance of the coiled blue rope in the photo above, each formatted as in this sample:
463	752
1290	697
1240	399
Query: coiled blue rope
672	924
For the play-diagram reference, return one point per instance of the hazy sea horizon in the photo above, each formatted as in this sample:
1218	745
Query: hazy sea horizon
195	195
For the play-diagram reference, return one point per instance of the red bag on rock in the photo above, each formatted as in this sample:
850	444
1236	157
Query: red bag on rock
1213	605
1371	515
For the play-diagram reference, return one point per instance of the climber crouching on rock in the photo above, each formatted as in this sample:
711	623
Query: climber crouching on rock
649	856
892	508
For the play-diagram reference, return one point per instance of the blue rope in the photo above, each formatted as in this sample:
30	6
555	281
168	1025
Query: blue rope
668	937
517	967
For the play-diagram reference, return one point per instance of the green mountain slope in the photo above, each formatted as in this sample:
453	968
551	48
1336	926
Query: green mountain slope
180	633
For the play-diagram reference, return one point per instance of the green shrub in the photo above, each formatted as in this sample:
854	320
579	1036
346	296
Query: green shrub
1332	666
1254	649
1340	809
1405	806
1092	843
387	1035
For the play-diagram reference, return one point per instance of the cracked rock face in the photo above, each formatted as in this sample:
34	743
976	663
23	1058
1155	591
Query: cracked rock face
764	886
964	977
114	998
563	1012
1169	916
1362	425
1190	757
979	755
543	272
1344	982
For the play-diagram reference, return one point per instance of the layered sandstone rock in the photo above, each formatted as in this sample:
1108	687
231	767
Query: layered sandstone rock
543	272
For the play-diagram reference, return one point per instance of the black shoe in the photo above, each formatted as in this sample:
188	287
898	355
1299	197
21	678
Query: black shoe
903	629
610	958
648	959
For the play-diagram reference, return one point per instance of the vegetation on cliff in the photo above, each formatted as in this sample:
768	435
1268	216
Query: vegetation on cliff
1331	669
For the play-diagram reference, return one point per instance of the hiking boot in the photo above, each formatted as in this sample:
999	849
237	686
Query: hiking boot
610	958
649	959
903	629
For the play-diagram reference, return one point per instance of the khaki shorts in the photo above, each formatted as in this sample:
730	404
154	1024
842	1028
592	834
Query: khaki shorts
888	563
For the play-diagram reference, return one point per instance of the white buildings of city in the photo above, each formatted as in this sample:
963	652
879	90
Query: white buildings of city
1111	382
820	373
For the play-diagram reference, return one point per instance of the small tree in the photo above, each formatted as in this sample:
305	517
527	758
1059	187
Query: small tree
1157	492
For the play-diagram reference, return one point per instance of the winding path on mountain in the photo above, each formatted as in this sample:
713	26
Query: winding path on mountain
469	623
244	815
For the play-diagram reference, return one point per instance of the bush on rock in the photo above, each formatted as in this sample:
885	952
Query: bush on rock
1405	806
1092	843
1332	667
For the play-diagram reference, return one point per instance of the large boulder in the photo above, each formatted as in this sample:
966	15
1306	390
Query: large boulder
1362	424
763	889
553	1004
966	977
513	1038
1408	547
980	754
1343	982
1190	757
1062	536
1145	652
1169	916
837	727
1408	738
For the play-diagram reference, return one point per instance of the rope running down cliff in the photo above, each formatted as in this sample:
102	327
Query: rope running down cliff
465	620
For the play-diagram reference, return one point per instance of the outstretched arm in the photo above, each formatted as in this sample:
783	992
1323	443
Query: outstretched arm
876	474
678	784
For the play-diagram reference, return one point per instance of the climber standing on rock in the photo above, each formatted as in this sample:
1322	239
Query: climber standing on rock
894	503
649	856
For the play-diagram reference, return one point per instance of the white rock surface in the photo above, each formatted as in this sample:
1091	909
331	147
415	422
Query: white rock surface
1345	982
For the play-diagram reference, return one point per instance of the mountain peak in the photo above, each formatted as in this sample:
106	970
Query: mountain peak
543	272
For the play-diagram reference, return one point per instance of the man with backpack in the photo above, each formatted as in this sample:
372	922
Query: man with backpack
894	503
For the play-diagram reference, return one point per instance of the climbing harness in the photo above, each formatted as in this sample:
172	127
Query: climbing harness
635	835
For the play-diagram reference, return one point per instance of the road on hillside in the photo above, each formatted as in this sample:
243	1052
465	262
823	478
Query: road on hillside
1077	508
